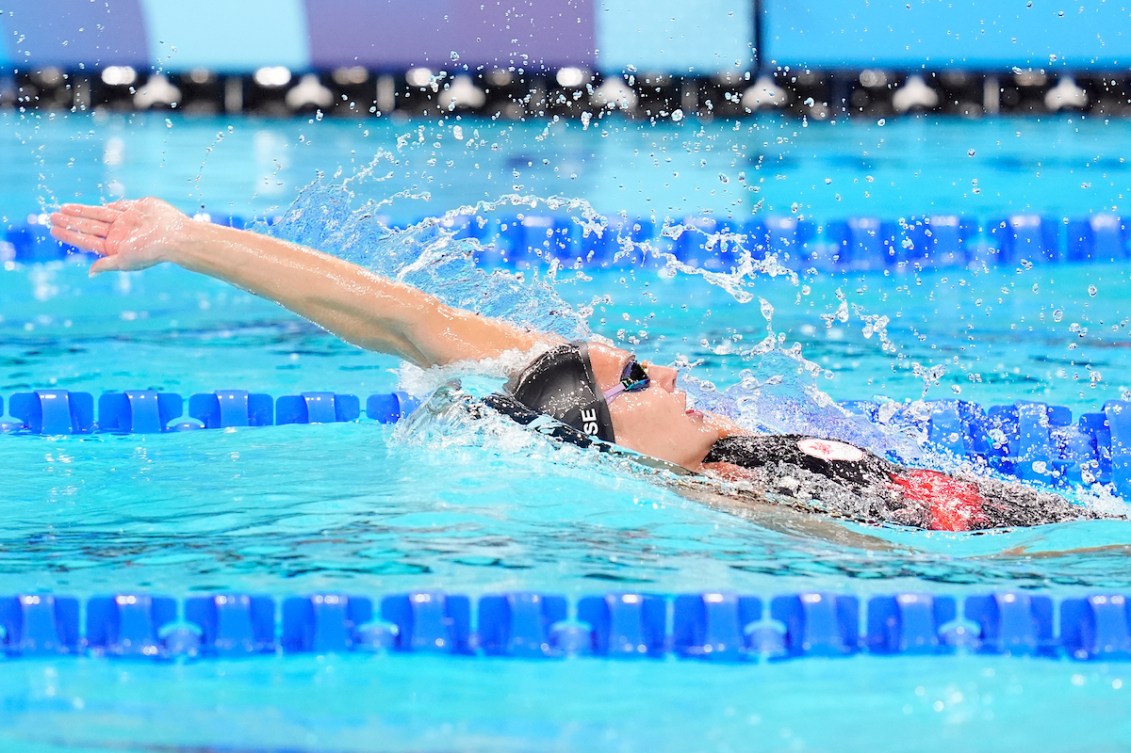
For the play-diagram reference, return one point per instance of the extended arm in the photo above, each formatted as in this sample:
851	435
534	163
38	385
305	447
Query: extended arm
347	300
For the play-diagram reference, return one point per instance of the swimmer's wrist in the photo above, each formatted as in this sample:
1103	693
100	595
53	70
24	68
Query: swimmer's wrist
190	247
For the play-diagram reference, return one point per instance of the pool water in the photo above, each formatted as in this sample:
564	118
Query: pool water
484	507
391	703
1063	165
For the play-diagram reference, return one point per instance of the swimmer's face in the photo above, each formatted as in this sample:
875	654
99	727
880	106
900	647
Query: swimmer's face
654	421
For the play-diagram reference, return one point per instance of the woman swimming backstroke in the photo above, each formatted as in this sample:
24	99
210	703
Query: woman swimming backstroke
592	393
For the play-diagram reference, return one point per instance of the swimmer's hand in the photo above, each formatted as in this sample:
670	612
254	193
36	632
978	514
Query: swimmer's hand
128	235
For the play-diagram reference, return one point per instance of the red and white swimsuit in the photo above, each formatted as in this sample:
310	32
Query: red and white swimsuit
909	496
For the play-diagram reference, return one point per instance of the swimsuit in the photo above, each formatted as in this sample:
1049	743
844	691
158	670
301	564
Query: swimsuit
843	479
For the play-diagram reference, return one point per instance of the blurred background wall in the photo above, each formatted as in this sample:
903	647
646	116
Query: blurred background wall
828	51
674	36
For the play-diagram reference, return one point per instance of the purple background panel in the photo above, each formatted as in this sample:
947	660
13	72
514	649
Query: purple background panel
73	33
395	34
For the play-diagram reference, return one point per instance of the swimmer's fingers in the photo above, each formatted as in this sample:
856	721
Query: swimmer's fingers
109	260
75	237
83	226
107	213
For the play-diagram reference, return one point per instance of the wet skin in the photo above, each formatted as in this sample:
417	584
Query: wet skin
656	421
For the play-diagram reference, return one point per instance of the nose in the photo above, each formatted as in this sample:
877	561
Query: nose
664	376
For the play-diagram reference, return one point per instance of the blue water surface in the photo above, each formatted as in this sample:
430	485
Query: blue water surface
1061	165
443	502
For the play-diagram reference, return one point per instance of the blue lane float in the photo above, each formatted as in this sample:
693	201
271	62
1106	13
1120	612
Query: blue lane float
717	627
913	624
322	408
133	625
226	409
855	244
138	411
54	412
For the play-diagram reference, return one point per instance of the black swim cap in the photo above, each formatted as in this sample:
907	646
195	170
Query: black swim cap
559	384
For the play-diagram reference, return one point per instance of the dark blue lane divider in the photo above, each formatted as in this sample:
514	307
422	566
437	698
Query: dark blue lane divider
1027	440
707	626
857	244
150	412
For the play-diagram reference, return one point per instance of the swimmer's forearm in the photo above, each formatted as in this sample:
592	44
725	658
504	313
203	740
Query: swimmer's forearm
347	300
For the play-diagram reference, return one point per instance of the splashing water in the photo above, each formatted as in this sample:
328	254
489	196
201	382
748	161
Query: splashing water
777	389
777	392
425	255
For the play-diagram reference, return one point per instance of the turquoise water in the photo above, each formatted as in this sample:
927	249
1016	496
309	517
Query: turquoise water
438	504
421	703
1066	166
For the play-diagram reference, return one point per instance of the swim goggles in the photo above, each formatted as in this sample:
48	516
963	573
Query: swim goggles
633	379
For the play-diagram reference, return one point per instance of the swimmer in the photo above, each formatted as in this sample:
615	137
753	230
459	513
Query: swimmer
590	393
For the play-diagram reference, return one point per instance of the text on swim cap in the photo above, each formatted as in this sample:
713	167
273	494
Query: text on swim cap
589	420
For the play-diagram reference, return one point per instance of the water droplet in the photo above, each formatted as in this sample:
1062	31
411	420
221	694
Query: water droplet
970	153
882	122
454	56
677	116
1092	290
